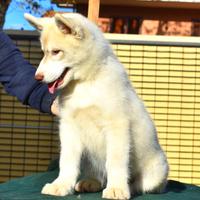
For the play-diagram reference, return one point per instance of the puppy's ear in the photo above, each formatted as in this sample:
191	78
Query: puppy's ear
67	26
34	21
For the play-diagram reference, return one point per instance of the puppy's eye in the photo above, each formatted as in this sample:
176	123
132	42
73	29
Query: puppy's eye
55	52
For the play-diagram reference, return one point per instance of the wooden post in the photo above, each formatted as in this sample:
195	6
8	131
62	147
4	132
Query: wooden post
93	10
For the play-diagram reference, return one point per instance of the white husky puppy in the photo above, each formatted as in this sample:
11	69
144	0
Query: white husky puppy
105	130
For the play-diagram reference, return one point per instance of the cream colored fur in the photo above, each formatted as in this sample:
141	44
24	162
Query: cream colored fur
105	130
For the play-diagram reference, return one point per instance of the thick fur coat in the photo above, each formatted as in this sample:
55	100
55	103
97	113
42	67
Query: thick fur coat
105	130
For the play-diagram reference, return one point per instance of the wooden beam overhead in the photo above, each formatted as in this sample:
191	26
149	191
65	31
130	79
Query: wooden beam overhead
93	10
148	11
147	3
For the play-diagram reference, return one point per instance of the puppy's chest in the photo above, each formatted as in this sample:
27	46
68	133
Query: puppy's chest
81	96
91	126
83	109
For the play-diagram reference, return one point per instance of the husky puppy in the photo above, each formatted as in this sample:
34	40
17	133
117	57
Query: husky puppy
105	130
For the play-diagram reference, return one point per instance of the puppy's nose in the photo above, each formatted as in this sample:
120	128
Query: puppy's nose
39	76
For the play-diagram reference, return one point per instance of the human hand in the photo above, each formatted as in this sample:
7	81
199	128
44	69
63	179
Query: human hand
55	108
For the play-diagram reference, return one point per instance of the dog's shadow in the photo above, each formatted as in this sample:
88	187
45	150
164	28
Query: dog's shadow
175	186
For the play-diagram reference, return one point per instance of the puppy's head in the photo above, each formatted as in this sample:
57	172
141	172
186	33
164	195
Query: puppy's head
66	41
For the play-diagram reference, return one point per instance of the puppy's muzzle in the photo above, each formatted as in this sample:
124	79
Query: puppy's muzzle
39	77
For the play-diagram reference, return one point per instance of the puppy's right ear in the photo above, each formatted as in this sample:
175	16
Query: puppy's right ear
68	26
64	26
34	21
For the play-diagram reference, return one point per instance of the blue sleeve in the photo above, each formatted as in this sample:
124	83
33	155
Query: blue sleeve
17	77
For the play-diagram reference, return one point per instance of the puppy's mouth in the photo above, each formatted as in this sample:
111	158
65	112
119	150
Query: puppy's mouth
53	86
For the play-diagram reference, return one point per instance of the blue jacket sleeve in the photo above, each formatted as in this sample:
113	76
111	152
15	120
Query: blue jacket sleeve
17	77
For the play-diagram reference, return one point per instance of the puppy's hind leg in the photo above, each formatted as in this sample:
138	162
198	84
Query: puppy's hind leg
93	175
152	179
88	185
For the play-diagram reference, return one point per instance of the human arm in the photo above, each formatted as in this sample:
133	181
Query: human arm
17	77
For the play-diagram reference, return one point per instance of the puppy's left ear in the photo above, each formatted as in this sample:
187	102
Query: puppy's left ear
68	26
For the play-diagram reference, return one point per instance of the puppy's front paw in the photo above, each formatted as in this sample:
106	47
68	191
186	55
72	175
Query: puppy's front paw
116	193
57	189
